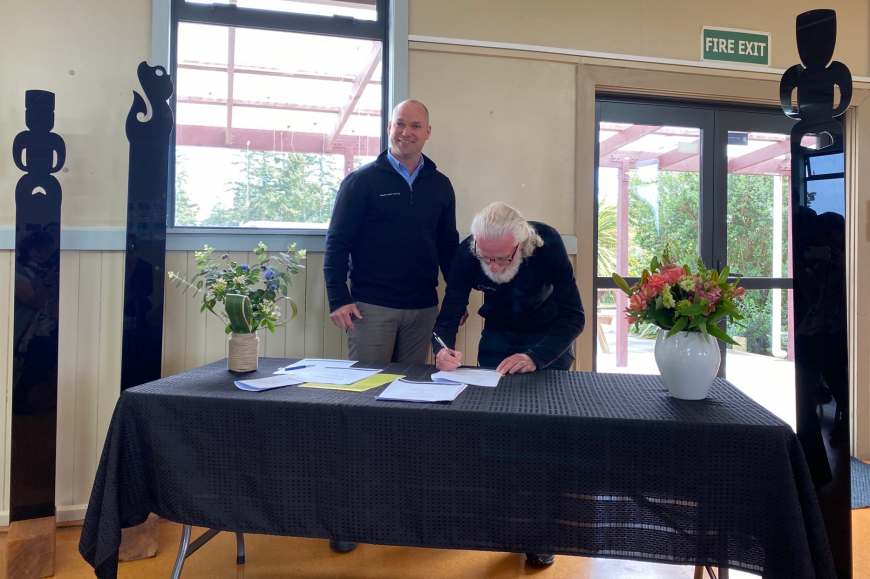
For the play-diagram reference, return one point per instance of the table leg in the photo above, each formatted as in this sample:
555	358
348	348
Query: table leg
186	548
182	552
722	572
240	549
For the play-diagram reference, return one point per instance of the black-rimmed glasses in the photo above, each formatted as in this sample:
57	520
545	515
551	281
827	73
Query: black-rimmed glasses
498	260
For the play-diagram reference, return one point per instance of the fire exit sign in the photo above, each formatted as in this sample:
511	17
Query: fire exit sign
729	45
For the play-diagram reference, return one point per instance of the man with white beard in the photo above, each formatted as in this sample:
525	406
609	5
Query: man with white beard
531	306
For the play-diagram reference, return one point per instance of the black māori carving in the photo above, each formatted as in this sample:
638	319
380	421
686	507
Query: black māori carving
147	190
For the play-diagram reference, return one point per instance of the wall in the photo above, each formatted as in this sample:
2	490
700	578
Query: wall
649	28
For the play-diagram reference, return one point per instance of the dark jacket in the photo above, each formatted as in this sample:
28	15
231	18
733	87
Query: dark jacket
542	297
396	237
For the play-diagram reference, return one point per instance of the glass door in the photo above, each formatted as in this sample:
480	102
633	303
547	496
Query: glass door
653	182
752	234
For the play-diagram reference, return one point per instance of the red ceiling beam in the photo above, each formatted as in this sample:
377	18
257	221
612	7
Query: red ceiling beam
359	84
738	164
274	106
280	141
676	156
209	67
624	137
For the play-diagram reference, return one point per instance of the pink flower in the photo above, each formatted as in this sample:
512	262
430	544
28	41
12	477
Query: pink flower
672	273
637	303
654	284
738	292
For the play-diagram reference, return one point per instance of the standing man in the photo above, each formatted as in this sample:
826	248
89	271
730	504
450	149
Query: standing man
531	304
395	219
393	225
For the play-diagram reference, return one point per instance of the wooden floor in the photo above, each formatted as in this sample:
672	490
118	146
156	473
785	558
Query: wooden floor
285	557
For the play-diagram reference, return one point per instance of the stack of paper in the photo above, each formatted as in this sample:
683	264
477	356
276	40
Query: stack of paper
473	376
269	383
409	391
361	386
313	362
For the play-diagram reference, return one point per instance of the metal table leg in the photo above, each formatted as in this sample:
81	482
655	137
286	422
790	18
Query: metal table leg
186	548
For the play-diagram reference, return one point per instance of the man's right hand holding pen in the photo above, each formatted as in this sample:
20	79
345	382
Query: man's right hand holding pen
446	359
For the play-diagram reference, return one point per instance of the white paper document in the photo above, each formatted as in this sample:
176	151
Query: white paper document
473	376
261	384
315	362
327	375
409	391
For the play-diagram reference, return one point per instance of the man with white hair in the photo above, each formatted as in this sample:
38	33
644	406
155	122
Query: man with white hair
531	306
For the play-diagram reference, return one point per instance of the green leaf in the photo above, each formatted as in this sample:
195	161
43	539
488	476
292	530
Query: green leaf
240	313
723	275
698	321
228	329
693	310
704	330
663	319
678	327
717	333
617	279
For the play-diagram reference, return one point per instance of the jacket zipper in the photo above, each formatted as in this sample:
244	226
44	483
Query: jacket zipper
411	190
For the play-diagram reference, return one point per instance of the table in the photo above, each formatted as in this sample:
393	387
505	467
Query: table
570	463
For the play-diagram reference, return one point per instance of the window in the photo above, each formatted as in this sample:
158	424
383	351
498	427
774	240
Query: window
275	102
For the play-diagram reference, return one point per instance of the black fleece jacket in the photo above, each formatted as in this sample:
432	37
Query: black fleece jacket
542	297
395	235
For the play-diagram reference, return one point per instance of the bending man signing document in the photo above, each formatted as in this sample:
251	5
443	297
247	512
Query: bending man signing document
531	306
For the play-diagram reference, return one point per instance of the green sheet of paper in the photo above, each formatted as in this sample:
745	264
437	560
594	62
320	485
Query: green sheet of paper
361	386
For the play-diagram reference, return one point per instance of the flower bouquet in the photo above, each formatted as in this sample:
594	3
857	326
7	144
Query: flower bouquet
686	307
675	299
249	294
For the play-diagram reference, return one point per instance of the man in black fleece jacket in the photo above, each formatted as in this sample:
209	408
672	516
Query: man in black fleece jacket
531	306
395	219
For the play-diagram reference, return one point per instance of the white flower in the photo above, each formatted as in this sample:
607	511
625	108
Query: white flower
239	280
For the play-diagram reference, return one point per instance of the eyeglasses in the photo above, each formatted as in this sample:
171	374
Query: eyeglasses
499	260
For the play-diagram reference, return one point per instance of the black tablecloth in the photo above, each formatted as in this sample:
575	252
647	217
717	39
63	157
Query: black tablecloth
551	462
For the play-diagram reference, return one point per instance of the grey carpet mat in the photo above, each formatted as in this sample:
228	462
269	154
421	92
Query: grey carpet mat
860	484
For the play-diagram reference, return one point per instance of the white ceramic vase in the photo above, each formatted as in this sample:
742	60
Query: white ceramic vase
688	363
243	353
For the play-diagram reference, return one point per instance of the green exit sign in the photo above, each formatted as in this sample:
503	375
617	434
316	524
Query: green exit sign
729	45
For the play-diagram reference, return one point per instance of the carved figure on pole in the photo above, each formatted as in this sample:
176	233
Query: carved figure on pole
816	79
34	153
147	196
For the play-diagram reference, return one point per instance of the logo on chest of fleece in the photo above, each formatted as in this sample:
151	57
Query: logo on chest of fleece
390	194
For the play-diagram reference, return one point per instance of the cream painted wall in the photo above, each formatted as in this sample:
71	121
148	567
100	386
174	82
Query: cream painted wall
652	28
490	142
86	52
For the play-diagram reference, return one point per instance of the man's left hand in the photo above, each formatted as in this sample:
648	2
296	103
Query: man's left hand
516	364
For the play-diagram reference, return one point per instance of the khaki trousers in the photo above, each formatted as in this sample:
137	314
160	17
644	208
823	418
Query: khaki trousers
391	335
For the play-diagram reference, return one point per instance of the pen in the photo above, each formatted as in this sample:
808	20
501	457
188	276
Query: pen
288	368
443	345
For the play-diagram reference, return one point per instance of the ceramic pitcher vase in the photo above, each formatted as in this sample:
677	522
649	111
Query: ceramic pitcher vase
688	363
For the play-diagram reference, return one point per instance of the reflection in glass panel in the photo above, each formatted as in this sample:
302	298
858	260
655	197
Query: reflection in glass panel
825	164
266	140
359	9
649	197
762	366
826	196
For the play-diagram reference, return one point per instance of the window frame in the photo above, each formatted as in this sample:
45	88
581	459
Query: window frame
393	37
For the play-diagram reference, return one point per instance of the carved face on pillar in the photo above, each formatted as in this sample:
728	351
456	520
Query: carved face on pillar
39	113
816	37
